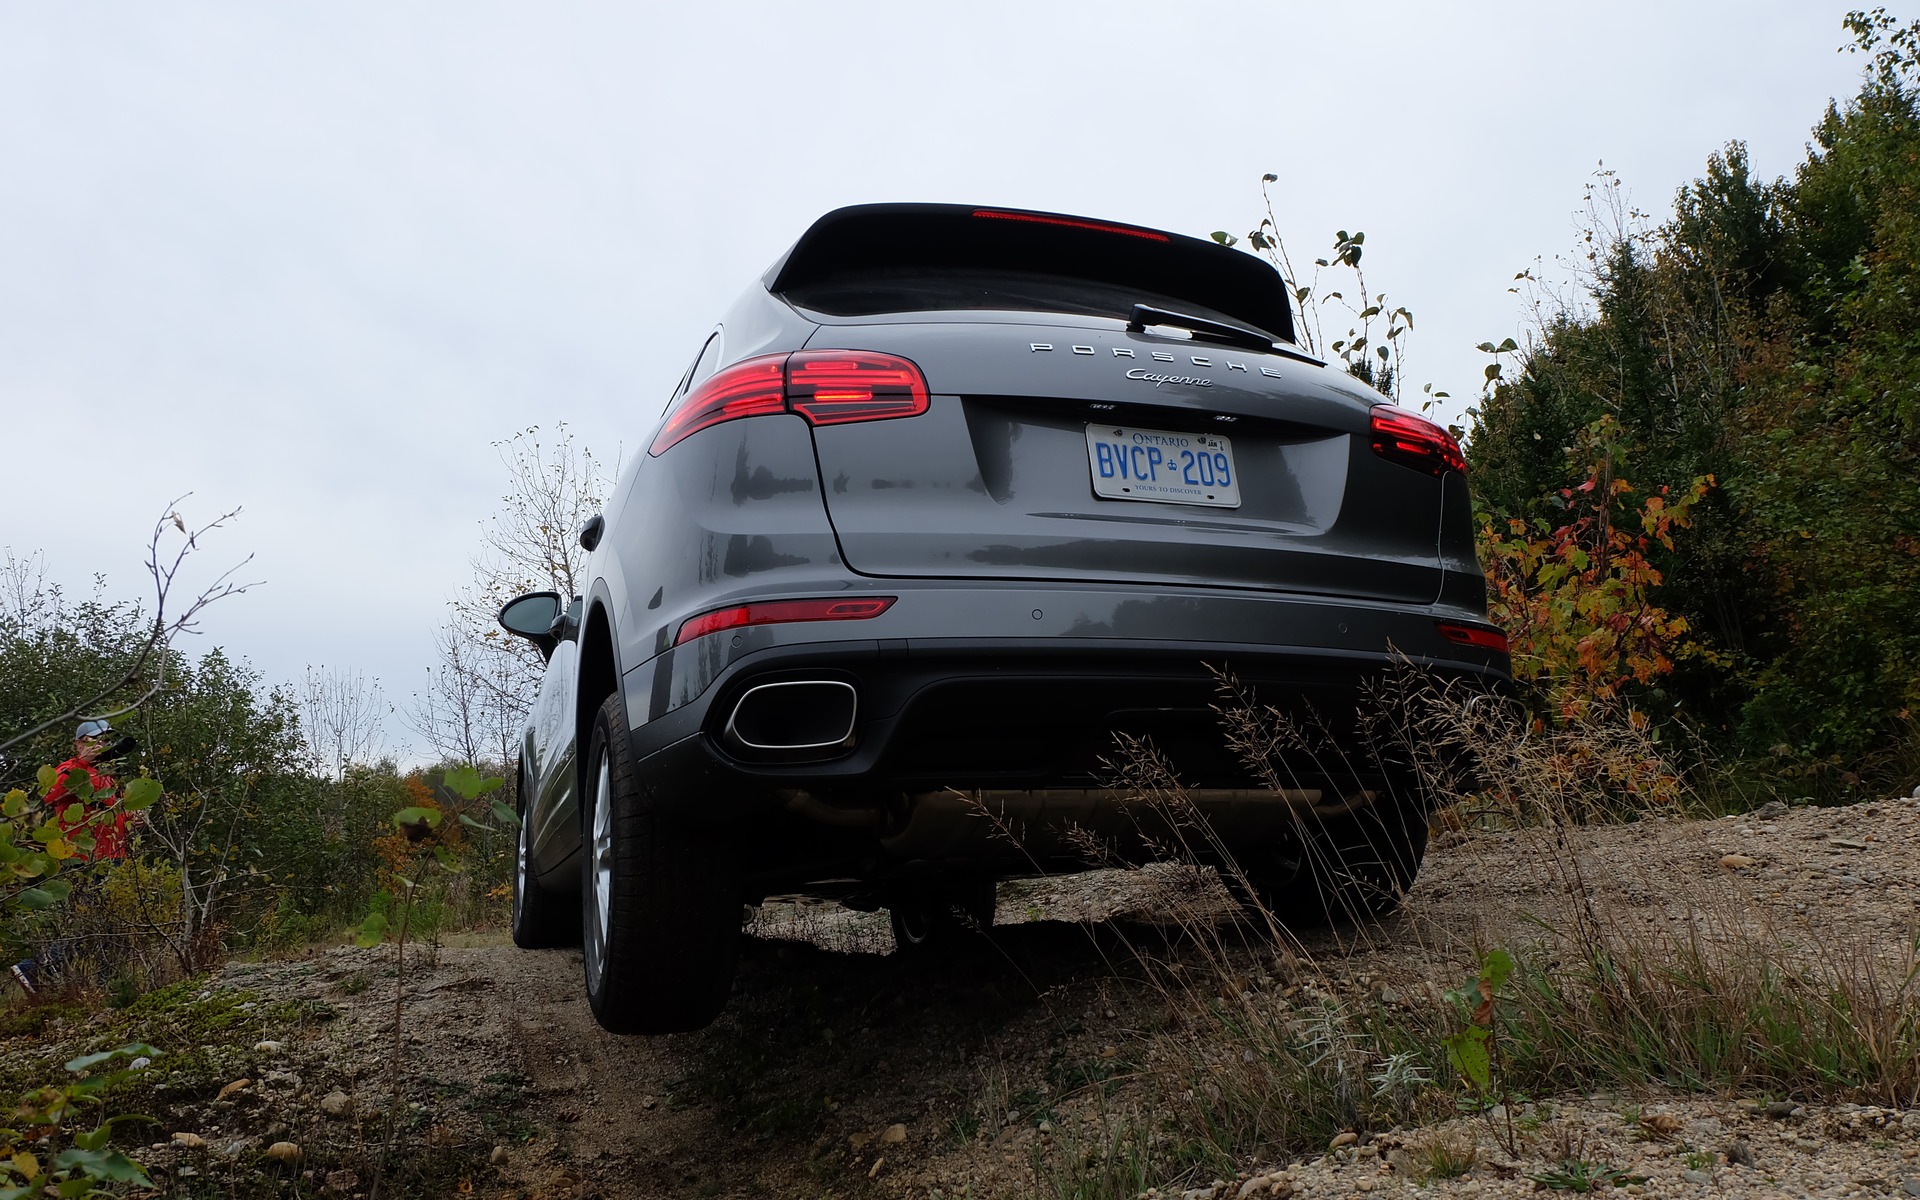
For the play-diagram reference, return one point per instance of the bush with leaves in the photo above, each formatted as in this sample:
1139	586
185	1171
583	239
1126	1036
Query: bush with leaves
1576	595
40	851
39	845
33	1159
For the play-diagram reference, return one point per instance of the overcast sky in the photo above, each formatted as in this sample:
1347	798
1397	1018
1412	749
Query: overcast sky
310	260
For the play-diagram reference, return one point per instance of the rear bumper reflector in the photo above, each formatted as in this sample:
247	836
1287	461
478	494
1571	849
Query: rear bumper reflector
781	612
1472	635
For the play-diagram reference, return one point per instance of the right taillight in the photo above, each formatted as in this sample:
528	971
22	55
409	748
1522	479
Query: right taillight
1413	441
825	387
1482	636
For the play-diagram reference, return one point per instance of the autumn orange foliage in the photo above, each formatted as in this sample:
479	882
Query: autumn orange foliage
1575	596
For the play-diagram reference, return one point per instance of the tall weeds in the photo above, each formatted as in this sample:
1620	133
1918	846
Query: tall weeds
1266	1050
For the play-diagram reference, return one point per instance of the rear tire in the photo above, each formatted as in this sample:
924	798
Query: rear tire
541	919
1353	867
924	920
660	910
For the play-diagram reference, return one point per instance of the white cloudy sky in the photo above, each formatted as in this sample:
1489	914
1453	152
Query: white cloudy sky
310	260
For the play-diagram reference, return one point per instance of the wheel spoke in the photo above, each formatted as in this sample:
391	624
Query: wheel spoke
521	866
601	872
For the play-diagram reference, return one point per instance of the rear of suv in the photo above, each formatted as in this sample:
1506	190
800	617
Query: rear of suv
952	497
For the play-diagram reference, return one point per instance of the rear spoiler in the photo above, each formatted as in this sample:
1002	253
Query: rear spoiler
962	235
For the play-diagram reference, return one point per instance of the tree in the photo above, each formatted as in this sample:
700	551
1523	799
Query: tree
1765	334
59	662
141	664
476	696
227	755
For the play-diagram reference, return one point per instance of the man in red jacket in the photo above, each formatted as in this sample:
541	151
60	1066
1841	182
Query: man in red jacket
99	815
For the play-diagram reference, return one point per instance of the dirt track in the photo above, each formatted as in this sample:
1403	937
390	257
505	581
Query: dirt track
854	1071
818	1048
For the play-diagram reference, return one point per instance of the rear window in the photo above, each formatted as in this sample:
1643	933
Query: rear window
937	289
934	257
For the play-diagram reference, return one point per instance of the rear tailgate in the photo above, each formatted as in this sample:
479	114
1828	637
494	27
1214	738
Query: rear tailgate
998	479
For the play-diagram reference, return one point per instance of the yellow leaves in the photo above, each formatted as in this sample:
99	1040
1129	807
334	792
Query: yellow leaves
60	850
1577	600
25	1165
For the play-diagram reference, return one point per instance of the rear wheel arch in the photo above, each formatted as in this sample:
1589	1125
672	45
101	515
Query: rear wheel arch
599	676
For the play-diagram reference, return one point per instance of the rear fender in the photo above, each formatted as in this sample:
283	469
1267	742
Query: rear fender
599	674
731	512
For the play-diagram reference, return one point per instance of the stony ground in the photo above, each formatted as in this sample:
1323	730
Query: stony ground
842	1069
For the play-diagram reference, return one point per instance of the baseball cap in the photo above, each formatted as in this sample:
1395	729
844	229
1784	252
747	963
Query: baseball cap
92	729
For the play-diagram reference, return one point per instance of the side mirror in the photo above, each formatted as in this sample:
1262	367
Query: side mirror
532	616
591	531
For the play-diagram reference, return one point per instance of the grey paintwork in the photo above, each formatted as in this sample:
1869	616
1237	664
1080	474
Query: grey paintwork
548	747
993	480
975	516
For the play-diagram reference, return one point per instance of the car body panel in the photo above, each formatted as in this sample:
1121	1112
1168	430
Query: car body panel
1209	625
993	481
751	523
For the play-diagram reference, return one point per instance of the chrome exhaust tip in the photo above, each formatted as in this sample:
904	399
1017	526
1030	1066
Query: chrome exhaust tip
796	717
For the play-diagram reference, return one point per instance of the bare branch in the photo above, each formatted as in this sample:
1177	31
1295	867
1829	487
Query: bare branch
166	626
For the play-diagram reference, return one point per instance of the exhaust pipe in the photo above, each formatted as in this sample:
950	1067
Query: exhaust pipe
952	822
811	717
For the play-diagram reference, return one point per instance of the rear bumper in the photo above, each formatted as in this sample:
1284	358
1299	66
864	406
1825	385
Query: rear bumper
1034	687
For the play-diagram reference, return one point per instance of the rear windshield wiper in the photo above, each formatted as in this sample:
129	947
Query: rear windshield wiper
1238	335
1233	335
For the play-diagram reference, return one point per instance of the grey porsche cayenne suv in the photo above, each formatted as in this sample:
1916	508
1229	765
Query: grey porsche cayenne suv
949	499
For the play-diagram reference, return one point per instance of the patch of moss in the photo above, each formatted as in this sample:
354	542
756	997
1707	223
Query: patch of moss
32	1020
205	1036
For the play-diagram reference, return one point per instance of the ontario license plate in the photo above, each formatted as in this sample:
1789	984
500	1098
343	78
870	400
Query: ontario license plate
1166	467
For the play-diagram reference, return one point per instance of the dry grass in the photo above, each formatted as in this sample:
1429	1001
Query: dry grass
1265	1053
1447	1155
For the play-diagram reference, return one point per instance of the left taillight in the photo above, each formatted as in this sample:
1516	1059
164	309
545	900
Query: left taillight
752	388
824	387
782	612
1413	441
